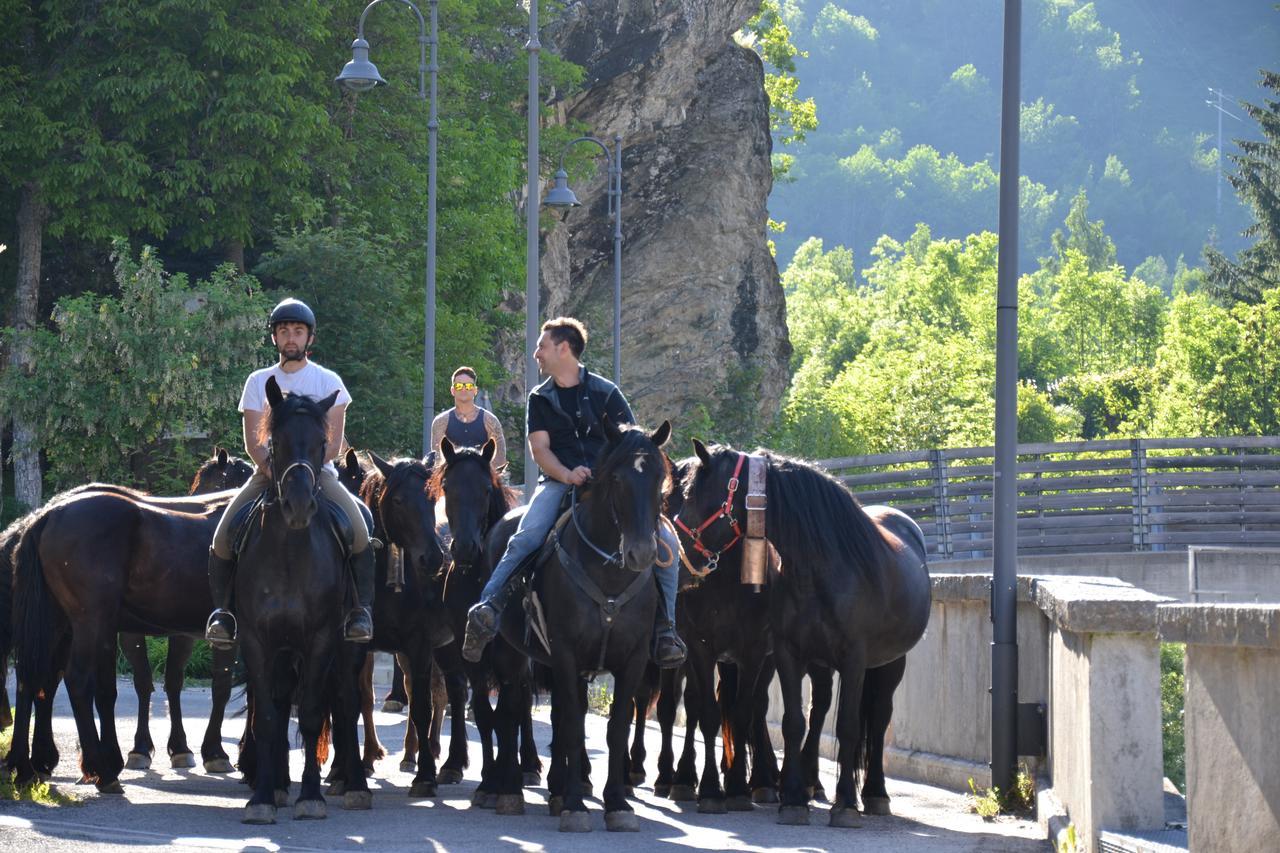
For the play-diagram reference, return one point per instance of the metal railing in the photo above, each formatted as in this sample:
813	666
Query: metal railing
1148	494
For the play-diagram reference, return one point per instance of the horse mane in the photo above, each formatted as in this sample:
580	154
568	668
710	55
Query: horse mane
634	437
812	519
375	486
293	404
501	498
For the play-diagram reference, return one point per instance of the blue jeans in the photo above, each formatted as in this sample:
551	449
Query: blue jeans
537	522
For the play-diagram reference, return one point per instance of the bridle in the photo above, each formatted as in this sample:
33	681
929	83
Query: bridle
725	511
284	475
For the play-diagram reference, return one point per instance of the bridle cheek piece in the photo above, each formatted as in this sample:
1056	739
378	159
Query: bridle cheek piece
724	511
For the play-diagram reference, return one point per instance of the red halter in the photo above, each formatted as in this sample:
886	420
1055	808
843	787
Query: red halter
725	511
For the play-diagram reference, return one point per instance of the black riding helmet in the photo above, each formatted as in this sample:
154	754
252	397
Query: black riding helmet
292	311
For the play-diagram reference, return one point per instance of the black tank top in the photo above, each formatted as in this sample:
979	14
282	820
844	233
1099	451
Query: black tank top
462	434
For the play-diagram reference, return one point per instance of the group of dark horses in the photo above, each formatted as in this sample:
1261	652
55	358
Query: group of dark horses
847	593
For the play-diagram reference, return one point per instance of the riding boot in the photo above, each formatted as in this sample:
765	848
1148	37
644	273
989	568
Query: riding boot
360	619
669	651
482	618
220	630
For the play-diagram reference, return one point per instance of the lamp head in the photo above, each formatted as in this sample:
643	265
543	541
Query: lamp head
560	194
359	75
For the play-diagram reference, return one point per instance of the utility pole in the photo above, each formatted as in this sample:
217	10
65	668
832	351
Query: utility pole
1221	110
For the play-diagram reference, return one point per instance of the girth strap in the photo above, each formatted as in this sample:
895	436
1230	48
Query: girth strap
609	606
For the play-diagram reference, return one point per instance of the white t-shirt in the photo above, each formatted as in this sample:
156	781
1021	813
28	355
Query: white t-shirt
311	381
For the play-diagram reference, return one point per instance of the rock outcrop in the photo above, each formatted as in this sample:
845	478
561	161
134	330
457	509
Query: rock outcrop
703	314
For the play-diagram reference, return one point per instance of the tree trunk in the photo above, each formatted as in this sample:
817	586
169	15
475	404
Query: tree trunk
32	213
235	253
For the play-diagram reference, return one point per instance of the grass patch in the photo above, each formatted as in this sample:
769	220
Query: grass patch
599	698
1173	690
37	792
200	666
990	803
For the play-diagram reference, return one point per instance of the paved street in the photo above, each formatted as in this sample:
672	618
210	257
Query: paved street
164	809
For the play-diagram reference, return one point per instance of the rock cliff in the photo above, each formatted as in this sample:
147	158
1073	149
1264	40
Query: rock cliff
703	314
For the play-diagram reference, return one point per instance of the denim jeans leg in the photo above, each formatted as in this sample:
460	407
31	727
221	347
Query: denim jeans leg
529	536
669	577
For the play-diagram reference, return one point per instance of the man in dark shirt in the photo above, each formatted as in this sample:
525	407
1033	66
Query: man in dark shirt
566	433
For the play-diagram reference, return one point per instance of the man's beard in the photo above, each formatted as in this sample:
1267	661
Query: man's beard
299	354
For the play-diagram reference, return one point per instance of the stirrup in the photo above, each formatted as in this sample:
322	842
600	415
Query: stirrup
218	634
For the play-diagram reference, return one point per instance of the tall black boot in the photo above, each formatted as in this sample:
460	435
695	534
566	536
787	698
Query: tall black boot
360	619
482	618
669	651
220	630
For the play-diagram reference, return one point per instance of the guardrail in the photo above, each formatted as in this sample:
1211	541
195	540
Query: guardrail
1147	494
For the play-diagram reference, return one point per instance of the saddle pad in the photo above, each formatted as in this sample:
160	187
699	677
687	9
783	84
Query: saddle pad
339	524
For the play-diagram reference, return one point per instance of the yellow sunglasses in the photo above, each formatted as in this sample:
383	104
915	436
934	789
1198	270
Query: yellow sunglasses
464	386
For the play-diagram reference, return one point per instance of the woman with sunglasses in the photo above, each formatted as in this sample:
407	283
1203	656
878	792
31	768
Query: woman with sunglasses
466	424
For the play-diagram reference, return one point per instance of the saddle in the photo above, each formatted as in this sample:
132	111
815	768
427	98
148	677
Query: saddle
251	514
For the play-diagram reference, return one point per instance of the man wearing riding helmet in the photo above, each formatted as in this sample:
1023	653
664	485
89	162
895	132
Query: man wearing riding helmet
293	328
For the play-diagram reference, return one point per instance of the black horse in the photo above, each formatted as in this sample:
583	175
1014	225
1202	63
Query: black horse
599	609
291	589
852	593
476	500
116	560
407	618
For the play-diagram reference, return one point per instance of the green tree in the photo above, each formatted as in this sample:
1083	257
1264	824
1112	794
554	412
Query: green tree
790	117
1257	181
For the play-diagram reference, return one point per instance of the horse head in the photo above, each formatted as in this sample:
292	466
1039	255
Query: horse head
405	512
631	479
220	472
469	485
713	505
350	472
299	430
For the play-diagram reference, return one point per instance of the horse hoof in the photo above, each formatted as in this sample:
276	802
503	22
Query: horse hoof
621	821
555	805
368	770
408	766
336	789
876	805
587	791
683	793
138	761
182	761
309	810
662	789
112	787
532	778
357	800
793	816
636	777
711	805
575	822
448	776
845	817
422	790
509	804
739	803
391	706
818	795
218	765
764	796
259	813
282	797
629	791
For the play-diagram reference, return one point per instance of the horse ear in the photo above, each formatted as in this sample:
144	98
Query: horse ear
221	454
660	435
611	431
447	450
327	403
490	448
381	464
353	461
701	450
274	395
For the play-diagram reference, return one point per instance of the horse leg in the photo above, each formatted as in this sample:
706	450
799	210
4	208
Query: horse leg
455	683
44	751
19	758
644	698
702	675
684	787
738	714
134	648
849	733
175	669
570	692
439	701
877	709
261	808
668	695
530	763
418	685
764	762
795	798
373	749
820	681
506	777
79	679
618	814
397	697
211	752
482	713
6	712
347	710
310	804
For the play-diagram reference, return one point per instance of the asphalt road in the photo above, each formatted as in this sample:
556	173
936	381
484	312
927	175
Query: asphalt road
165	809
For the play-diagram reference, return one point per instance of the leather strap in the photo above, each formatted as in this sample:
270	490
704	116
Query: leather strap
754	555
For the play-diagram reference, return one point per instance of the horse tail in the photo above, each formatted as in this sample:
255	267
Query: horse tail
32	610
322	742
726	691
7	572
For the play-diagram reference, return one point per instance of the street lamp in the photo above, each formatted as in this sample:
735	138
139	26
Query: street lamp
360	75
561	196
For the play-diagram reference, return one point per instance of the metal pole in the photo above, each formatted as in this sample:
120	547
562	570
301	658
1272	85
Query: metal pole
617	259
1218	215
429	335
531	307
1004	592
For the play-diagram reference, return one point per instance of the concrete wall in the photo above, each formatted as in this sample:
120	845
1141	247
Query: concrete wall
1232	733
1242	575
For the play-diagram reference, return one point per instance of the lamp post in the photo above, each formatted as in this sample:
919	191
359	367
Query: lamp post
531	268
360	75
561	196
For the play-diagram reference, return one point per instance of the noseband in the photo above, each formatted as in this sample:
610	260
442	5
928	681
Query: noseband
725	511
284	475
